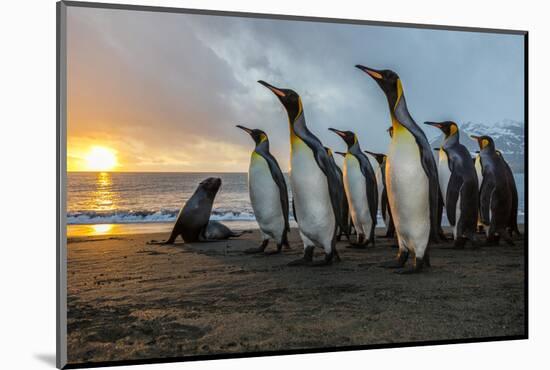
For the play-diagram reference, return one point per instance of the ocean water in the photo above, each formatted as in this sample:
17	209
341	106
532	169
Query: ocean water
118	202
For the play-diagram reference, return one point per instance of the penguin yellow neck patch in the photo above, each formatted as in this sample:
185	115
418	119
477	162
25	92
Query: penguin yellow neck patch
400	132
300	107
295	140
399	93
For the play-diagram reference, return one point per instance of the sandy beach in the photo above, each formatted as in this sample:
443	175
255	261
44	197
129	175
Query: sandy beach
128	300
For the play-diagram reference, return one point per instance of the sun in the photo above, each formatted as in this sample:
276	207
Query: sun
100	158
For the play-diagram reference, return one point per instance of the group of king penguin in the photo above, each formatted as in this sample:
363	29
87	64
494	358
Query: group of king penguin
407	184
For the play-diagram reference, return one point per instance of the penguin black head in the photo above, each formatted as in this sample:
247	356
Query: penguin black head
449	128
349	137
378	156
289	98
257	135
484	141
388	81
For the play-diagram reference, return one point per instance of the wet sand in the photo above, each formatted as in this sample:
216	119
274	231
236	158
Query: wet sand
129	301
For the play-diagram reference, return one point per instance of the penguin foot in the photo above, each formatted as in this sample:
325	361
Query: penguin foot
258	249
459	243
405	271
397	262
328	259
324	262
306	260
393	264
270	253
300	262
415	267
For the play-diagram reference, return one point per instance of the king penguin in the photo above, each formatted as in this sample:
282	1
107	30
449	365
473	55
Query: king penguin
361	189
411	178
495	197
382	193
315	183
268	193
458	183
345	209
513	223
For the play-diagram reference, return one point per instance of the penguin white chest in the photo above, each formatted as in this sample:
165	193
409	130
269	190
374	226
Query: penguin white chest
478	171
408	191
444	173
379	185
311	196
265	198
355	186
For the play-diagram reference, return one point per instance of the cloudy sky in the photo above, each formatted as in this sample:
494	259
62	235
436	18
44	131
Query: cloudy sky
165	91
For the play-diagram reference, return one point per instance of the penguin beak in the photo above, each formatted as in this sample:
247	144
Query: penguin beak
477	139
371	72
338	132
436	149
434	124
275	90
341	153
249	131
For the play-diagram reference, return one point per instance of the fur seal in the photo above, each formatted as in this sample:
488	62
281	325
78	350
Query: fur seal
193	222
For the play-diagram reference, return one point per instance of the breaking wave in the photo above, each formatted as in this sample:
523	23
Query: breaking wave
125	217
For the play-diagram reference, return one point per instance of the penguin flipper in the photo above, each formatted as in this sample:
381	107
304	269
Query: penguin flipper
384	205
453	191
372	189
335	184
485	194
279	179
294	210
428	163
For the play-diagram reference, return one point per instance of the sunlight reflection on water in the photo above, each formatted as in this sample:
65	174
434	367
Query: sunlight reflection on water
103	198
